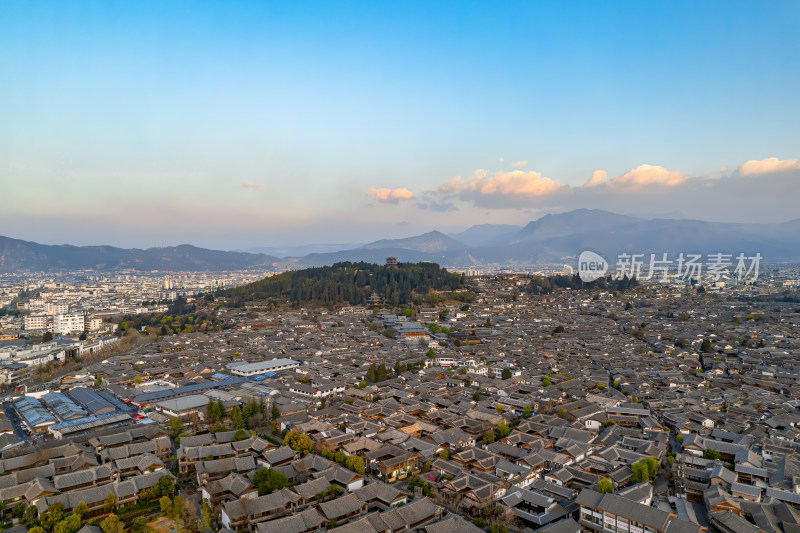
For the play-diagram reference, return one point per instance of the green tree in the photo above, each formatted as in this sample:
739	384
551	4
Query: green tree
604	486
70	524
112	524
712	454
355	463
298	442
706	347
645	470
18	511
498	528
276	413
205	515
81	509
139	524
546	381
31	516
444	454
211	411
503	430
268	480
111	502
164	487
652	465
526	411
52	515
506	373
175	426
178	503
240	435
237	421
499	408
476	395
166	505
488	437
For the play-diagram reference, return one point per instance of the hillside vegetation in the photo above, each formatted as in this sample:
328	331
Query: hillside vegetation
353	283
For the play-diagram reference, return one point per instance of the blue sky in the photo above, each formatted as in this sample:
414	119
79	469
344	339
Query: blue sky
253	124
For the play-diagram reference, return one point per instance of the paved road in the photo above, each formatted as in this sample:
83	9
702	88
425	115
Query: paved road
16	422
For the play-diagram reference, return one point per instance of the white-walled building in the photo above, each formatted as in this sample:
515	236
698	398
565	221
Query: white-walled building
95	323
67	324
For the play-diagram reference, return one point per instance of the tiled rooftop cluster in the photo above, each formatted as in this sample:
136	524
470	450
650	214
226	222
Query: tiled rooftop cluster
659	409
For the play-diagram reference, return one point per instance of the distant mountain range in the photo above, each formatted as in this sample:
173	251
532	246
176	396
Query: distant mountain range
560	238
17	255
551	239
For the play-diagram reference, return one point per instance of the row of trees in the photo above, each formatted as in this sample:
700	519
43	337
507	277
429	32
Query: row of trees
377	373
351	462
56	520
547	284
502	431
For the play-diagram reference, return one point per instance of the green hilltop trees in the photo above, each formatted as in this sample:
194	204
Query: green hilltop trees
353	284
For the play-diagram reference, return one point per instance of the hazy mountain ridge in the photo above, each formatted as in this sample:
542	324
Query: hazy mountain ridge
561	237
431	242
550	239
18	255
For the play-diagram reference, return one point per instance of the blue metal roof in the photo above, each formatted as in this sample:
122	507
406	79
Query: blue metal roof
63	407
187	389
95	420
33	411
93	400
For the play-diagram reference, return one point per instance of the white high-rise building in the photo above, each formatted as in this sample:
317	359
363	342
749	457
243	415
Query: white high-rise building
67	324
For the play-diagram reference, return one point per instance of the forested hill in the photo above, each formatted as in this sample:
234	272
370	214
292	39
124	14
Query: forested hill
349	283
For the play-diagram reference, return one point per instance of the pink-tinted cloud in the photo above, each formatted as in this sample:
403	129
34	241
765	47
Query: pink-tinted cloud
645	176
767	166
515	183
390	196
519	164
597	178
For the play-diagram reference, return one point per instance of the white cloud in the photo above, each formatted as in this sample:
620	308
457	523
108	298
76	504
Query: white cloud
390	196
519	164
767	166
256	186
